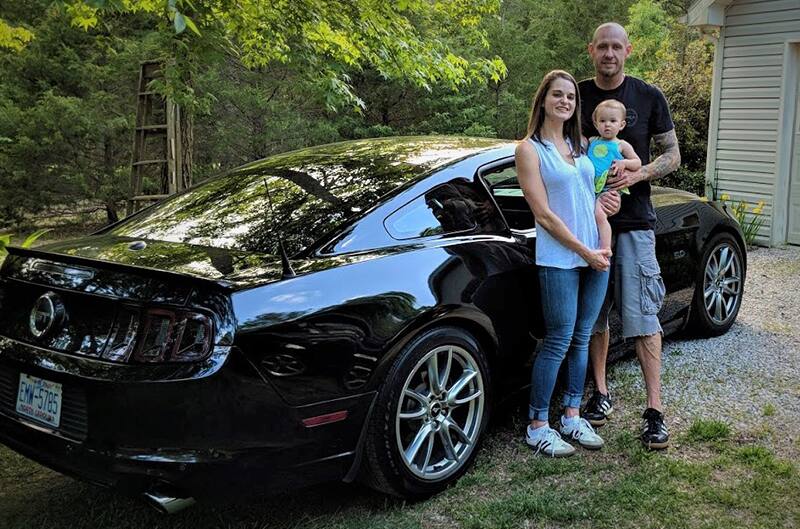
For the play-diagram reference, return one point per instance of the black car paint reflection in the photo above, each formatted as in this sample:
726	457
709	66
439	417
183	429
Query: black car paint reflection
387	237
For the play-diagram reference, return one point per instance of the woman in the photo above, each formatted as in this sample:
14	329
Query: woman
557	179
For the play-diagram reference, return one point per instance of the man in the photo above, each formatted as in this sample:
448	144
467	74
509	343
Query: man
639	290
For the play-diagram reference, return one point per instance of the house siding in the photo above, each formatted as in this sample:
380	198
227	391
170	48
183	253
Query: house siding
753	41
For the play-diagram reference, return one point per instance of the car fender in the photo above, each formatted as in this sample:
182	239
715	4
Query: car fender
466	317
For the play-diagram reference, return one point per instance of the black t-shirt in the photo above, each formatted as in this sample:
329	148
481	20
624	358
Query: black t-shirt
648	115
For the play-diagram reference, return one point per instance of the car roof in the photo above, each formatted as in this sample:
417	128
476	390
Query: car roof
418	154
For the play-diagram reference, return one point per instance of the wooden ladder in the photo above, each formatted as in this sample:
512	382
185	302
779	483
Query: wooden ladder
155	169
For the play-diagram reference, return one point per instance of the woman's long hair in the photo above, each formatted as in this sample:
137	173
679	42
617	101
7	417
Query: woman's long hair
572	127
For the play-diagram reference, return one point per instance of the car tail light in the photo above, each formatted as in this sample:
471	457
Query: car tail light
123	339
173	336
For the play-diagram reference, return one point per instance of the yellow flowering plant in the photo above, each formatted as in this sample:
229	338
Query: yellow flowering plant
750	222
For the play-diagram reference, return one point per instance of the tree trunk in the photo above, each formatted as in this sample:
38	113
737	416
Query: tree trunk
186	138
111	212
109	165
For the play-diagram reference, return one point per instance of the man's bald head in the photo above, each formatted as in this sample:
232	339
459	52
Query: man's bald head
610	29
609	49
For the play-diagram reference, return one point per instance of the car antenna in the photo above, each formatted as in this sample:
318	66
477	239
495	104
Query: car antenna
288	272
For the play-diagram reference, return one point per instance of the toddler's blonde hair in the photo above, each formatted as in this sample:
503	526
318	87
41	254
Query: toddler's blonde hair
610	103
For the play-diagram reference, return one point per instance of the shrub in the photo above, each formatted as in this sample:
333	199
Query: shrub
685	179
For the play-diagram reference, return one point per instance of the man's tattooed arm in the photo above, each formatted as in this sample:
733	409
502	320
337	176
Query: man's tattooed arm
667	161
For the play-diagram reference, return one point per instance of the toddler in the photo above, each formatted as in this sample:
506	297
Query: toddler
609	155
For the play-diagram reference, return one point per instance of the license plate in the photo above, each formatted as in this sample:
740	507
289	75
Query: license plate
39	399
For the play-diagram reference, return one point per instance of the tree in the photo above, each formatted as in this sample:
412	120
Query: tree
531	37
66	114
677	60
331	72
324	40
649	30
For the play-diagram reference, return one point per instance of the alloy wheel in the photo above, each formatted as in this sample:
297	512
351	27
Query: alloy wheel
439	413
722	284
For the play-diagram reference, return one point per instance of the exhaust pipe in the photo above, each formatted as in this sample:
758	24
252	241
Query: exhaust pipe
166	503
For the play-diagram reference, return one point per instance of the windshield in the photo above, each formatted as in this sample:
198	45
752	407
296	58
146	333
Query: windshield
312	192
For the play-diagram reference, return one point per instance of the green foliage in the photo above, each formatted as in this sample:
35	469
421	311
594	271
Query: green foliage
480	130
686	179
532	38
5	240
648	29
677	60
276	108
750	222
14	38
685	78
66	115
326	40
273	77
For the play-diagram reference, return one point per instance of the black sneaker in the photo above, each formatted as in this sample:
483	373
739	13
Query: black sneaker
654	432
598	409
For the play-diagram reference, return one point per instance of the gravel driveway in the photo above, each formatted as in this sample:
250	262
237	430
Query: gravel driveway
749	377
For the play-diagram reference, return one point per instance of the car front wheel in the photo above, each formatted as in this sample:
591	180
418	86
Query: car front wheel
430	415
719	287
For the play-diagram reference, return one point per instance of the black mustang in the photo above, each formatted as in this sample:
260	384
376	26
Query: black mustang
180	351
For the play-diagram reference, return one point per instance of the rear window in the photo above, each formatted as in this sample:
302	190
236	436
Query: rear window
313	192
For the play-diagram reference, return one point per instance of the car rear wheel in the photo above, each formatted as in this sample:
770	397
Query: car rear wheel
719	287
430	415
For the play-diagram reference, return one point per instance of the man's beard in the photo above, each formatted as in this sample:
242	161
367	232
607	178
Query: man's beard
608	73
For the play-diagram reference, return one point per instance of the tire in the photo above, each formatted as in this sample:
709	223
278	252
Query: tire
410	414
719	286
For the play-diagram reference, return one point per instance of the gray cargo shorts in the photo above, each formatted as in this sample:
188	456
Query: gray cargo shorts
636	289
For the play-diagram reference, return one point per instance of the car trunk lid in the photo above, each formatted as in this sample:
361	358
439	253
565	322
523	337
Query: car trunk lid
86	296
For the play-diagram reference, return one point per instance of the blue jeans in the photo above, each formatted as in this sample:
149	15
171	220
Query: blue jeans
571	302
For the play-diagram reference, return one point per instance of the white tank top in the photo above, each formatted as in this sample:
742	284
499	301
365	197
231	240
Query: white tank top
570	195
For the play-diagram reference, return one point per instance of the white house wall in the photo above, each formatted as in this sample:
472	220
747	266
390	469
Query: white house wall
753	40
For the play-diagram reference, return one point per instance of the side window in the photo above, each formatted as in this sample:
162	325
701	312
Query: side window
506	191
455	207
501	177
440	210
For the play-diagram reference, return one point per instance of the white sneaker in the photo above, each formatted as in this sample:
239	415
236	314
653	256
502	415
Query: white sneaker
579	429
547	441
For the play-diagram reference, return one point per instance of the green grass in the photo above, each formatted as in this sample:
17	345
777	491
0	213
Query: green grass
706	430
712	478
708	481
769	410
